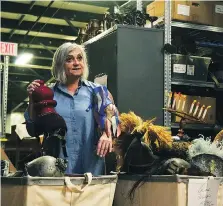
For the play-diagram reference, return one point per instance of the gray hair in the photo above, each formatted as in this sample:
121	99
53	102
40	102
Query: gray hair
59	59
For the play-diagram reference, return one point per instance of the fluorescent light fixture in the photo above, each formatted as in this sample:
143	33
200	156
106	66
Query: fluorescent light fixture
23	59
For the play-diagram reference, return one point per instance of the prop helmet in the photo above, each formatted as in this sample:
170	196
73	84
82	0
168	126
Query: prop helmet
209	163
46	166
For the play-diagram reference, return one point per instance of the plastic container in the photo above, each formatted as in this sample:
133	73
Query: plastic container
190	67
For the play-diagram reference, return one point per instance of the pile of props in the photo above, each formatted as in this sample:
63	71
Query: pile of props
96	26
49	124
145	148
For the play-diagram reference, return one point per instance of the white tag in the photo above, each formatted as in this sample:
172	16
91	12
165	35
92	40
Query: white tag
219	9
190	70
183	10
179	68
203	192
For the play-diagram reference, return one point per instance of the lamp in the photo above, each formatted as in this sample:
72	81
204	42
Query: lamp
23	58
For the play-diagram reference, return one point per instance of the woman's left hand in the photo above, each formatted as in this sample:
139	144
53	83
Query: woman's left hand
104	145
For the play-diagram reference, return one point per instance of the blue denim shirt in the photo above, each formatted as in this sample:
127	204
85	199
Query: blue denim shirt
81	137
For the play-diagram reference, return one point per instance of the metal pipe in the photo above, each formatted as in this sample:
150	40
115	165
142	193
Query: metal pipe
21	19
13	30
46	48
31	5
42	27
30	66
70	24
37	21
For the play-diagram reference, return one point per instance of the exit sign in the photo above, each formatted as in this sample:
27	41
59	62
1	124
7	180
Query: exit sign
8	49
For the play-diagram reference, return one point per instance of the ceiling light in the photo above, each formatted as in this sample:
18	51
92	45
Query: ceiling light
23	59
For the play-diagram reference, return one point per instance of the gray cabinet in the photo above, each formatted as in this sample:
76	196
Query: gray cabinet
133	60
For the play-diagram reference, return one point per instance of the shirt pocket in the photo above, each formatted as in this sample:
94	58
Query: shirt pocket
64	107
84	102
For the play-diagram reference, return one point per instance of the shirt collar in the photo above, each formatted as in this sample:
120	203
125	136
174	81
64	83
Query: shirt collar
63	88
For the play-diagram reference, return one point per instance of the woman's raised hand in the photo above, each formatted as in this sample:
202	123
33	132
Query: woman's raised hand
32	86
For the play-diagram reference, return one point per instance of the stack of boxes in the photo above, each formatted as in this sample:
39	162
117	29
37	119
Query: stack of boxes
201	12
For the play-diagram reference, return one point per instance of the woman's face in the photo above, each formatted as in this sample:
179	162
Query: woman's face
74	64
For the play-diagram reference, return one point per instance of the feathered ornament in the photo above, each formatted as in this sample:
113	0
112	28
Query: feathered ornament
207	156
153	135
129	121
202	146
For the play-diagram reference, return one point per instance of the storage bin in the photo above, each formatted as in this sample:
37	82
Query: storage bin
158	191
190	67
58	191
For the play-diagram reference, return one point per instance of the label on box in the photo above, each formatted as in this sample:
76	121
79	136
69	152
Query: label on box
183	10
179	68
203	192
219	9
190	70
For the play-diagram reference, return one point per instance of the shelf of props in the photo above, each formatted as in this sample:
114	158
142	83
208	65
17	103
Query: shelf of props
189	117
198	113
190	111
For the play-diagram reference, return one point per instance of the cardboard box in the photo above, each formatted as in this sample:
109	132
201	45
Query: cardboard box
217	7
210	117
189	11
5	157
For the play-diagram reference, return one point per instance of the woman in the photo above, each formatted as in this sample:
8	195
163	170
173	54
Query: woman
75	99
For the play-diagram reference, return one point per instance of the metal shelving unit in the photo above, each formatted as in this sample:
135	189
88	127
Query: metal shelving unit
167	61
168	24
206	127
203	127
193	83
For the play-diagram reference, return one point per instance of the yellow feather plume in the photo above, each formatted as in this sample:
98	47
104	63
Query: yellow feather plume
129	121
159	135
